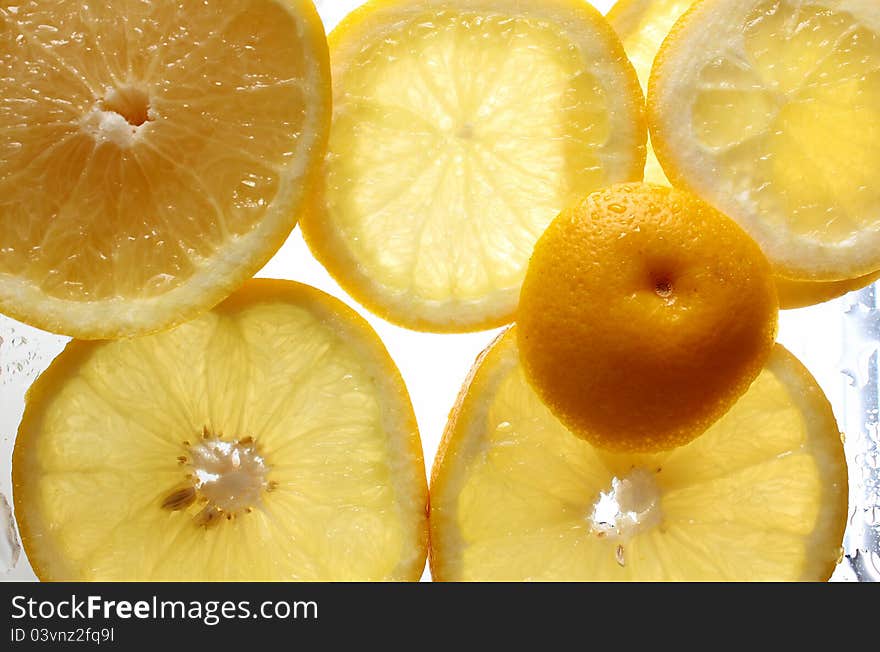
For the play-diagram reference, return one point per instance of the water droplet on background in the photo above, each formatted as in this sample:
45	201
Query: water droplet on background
10	548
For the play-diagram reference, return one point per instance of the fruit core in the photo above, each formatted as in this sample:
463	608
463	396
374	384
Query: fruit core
130	102
466	131
224	478
119	116
630	507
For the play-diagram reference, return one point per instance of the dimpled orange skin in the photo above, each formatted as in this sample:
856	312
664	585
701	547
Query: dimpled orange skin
645	314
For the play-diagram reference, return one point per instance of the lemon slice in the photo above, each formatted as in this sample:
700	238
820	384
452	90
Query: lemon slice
762	495
642	25
769	109
153	155
270	439
800	294
460	130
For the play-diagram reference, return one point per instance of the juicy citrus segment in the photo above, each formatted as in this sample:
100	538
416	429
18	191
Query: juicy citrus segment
153	157
460	130
644	315
642	25
769	110
280	410
516	496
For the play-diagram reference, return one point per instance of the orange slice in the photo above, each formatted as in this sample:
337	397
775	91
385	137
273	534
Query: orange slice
153	155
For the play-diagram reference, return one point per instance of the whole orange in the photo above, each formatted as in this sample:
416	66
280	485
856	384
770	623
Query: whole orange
645	314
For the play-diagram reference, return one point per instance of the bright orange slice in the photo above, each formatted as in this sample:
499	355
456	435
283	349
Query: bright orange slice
153	155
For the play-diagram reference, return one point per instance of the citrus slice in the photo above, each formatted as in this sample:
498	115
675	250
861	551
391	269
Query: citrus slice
762	495
769	110
153	155
460	130
800	294
642	25
644	315
269	439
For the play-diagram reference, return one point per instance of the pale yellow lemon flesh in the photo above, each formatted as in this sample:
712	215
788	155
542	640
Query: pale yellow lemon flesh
270	439
762	495
460	130
642	25
769	110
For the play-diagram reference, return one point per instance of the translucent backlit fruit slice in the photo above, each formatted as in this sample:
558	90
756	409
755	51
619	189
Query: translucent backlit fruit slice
644	315
799	294
515	496
460	130
770	110
153	155
642	25
272	438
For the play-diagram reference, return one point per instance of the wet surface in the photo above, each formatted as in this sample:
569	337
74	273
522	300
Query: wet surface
10	548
